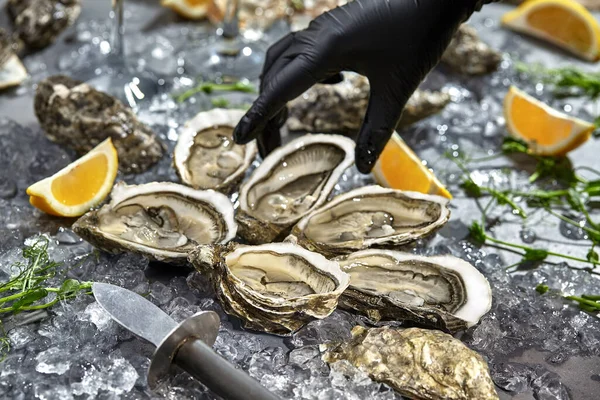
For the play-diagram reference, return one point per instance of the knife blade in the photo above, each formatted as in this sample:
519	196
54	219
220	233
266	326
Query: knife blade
188	344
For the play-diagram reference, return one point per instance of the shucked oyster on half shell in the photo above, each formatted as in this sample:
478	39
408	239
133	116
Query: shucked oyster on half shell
290	183
206	157
444	292
163	221
371	216
275	288
418	363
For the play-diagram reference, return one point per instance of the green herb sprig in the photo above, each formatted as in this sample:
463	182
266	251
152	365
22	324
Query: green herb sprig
587	302
27	290
573	196
528	254
211	87
568	81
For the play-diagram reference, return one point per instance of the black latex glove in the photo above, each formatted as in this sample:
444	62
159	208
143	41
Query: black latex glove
394	43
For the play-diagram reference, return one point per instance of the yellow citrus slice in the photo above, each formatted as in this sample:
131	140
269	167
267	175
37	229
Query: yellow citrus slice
547	131
564	23
79	186
400	168
191	9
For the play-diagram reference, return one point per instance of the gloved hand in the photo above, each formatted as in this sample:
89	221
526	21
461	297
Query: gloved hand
394	43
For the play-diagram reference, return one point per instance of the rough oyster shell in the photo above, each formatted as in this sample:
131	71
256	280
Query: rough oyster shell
163	221
206	156
444	292
290	183
371	216
468	54
39	22
77	115
418	363
12	70
275	288
340	108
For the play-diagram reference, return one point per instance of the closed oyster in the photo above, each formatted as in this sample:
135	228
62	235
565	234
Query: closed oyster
468	54
275	288
290	183
444	292
77	115
371	216
39	22
418	363
340	108
206	157
163	221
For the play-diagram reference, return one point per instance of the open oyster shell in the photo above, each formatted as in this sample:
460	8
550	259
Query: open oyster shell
75	114
371	216
163	221
275	288
206	156
418	363
290	183
444	292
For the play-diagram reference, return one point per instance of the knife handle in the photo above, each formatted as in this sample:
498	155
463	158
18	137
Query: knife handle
221	377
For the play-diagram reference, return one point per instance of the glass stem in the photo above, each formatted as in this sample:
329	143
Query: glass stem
231	26
117	30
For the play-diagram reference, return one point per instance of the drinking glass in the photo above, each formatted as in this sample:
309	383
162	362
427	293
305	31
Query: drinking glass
115	76
227	53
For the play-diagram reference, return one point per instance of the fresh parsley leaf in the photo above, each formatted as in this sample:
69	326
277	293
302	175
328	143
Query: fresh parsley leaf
477	233
471	188
542	289
592	256
535	255
511	145
220	102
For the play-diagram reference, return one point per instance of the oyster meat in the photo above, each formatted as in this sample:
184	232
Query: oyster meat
206	157
77	115
275	288
444	292
418	363
163	221
12	70
371	216
468	54
340	108
39	22
290	183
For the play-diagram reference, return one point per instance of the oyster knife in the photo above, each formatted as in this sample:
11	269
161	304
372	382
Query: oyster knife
188	344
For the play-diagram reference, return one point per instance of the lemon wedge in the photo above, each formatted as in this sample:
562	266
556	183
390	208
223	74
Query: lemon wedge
81	185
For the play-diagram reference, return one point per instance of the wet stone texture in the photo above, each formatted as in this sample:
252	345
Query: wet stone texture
537	347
